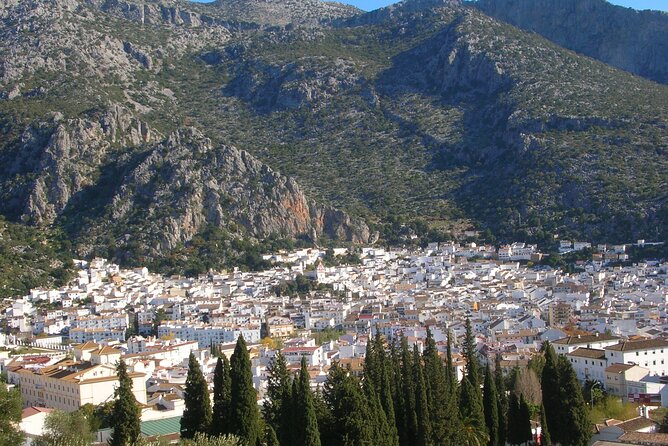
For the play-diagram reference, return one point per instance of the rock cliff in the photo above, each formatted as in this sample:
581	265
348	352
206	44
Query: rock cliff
634	41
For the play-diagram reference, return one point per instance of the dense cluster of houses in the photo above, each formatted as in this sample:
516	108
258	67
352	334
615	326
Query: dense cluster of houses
610	322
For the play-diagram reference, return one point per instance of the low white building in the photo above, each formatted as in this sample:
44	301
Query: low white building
651	354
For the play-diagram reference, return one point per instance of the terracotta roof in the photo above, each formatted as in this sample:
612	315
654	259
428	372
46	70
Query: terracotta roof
33	410
635	424
646	439
592	353
585	339
638	345
619	368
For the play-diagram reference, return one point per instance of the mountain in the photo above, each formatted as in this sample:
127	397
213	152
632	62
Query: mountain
635	41
142	128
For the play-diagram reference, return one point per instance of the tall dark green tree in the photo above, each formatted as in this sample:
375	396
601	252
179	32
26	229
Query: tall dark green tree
126	413
378	387
525	435
244	413
550	386
514	422
471	411
491	408
471	356
279	395
443	412
197	413
408	391
222	397
574	414
449	366
545	439
421	402
307	432
270	438
502	411
382	432
397	383
349	408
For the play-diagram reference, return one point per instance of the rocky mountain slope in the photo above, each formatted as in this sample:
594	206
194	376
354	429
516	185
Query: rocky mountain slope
137	127
635	41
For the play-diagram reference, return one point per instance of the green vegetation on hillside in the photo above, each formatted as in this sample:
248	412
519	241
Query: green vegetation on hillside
30	258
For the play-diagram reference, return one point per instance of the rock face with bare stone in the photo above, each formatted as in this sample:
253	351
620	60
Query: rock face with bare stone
143	123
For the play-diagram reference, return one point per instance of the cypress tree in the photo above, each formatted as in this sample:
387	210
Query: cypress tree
222	388
514	423
450	377
307	427
438	391
551	395
470	406
244	413
279	394
385	391
349	409
126	413
491	408
326	423
397	383
408	389
197	413
572	408
545	439
524	414
270	438
333	395
470	396
382	432
421	403
471	355
502	411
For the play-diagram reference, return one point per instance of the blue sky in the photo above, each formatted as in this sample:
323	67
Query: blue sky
369	5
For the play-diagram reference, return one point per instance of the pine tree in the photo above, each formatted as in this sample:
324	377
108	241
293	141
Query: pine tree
502	411
545	439
222	387
525	435
307	427
491	408
244	413
279	395
551	395
126	413
572	408
197	413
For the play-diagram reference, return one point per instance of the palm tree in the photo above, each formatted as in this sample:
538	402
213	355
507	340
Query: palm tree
471	435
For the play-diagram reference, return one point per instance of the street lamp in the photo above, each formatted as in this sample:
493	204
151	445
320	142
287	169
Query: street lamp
591	392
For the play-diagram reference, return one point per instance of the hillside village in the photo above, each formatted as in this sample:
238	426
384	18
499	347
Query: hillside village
609	319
